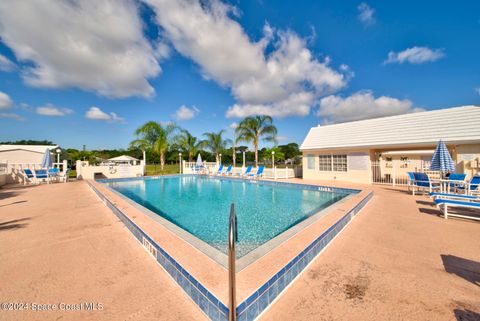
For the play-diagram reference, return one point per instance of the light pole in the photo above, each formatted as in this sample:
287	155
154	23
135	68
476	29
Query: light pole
220	155
58	155
180	162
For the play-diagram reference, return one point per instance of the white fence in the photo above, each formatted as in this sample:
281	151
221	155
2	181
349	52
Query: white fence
212	168
395	172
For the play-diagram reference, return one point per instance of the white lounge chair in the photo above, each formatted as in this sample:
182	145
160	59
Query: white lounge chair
445	204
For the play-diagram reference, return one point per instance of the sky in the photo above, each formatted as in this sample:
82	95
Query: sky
91	72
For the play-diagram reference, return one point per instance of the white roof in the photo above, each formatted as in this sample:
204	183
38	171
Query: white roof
123	158
453	125
31	148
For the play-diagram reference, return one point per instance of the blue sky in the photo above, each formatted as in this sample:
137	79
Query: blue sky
88	73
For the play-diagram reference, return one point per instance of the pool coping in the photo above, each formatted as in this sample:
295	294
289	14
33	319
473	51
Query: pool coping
215	254
255	292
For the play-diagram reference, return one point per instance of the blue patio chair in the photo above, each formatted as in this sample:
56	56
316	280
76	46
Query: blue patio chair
220	169
28	176
456	177
471	188
228	171
411	181
258	174
422	181
247	171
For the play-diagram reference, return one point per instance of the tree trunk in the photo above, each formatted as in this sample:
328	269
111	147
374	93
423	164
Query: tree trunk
217	158
234	154
162	160
256	154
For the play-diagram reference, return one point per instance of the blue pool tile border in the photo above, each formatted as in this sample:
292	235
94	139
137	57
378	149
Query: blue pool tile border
204	299
258	301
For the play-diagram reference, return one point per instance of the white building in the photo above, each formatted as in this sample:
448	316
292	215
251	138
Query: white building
24	154
385	148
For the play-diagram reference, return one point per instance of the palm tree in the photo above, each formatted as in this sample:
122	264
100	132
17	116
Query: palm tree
188	144
142	145
215	143
156	136
255	128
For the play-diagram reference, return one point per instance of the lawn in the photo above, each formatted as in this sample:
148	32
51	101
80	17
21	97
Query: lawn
154	169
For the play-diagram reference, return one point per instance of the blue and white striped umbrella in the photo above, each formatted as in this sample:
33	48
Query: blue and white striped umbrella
441	159
47	159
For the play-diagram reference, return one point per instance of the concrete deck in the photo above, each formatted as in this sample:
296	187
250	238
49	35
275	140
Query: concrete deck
59	244
397	260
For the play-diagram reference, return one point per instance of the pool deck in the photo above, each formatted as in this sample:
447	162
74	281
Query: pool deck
397	260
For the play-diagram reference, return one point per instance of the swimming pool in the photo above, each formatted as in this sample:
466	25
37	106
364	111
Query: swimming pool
200	205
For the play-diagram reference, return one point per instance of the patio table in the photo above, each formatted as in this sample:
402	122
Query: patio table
445	184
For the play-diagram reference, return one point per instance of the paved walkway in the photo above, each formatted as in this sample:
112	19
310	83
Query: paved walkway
397	260
60	244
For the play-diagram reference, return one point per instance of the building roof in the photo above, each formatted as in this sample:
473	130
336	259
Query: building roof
123	158
32	148
452	125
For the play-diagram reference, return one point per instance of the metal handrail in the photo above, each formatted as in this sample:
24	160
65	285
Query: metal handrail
232	237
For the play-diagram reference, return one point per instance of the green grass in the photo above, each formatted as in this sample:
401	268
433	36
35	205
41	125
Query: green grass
151	170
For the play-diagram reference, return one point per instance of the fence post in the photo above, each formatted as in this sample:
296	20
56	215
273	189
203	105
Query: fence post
394	172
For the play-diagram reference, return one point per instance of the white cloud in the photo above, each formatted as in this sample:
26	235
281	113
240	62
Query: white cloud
185	113
365	14
259	80
477	90
12	116
5	101
415	55
96	113
93	45
50	110
233	125
6	64
297	104
362	105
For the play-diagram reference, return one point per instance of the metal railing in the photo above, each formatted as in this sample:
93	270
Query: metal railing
232	237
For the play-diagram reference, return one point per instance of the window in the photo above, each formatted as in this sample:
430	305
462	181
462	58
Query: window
339	163
325	163
310	161
335	163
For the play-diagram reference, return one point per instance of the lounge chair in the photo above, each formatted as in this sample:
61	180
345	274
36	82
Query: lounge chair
422	181
444	204
471	188
220	169
247	171
258	174
228	171
464	197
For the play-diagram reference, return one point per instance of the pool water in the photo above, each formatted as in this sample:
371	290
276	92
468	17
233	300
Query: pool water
201	206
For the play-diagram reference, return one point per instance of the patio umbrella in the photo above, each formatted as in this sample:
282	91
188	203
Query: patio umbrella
441	159
199	161
47	159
